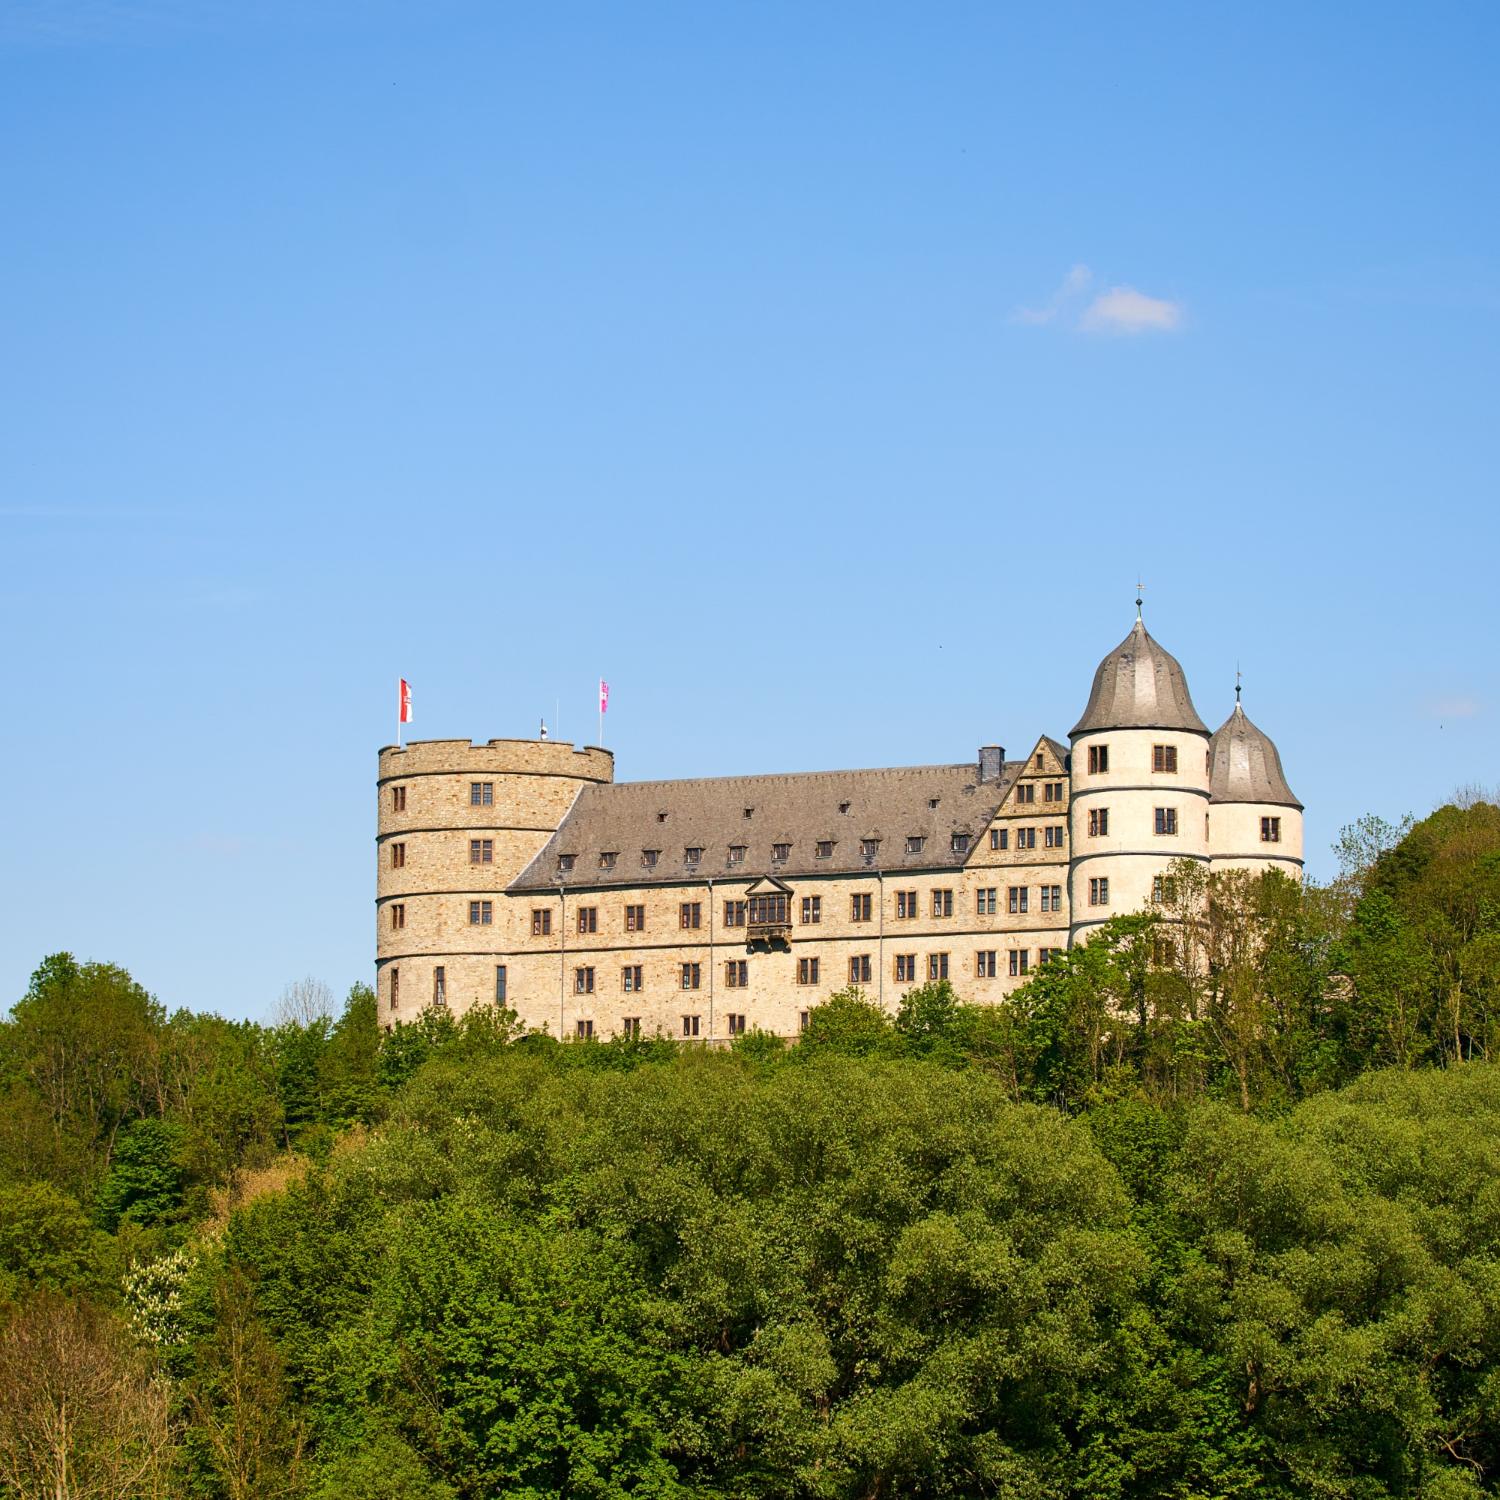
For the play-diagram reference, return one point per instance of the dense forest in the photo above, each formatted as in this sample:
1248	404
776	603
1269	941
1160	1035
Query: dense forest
1211	1208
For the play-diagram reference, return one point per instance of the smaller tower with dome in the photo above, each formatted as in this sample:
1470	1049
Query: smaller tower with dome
1255	821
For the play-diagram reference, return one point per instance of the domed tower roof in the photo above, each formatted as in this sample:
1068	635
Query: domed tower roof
1139	685
1244	766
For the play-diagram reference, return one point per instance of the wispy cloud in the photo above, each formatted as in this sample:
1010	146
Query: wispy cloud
1119	309
1122	309
1072	287
1459	706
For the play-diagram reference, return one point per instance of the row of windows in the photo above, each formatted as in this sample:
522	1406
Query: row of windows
1163	760
1054	836
1164	822
1052	791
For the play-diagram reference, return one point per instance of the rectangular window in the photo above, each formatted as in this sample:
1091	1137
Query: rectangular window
440	985
395	989
588	919
1164	759
1025	791
825	848
773	910
690	1026
649	857
960	843
692	976
1270	830
1054	836
607	859
541	921
734	913
942	903
802	1020
398	856
481	913
398	915
632	979
807	971
869	847
481	851
1099	891
481	794
1098	759
999	838
583	981
1052	792
781	852
584	1031
859	906
1020	961
986	906
914	842
906	904
1026	838
737	973
736	854
1051	898
906	968
859	968
690	915
812	910
1098	822
736	1023
1044	954
937	965
1166	820
631	1026
565	862
984	964
692	854
1017	900
499	984
635	919
398	799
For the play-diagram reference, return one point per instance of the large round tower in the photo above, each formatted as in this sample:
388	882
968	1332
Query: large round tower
457	823
1255	822
1139	782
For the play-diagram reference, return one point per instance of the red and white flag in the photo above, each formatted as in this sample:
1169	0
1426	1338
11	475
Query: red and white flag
603	696
403	710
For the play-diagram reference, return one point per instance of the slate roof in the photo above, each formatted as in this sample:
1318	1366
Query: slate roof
1139	685
800	810
1244	765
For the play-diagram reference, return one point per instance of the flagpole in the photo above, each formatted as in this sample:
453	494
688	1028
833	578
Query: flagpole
398	713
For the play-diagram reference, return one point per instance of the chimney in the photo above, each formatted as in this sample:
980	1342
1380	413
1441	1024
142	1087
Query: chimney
991	762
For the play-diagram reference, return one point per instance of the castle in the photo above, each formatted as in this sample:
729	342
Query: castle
521	872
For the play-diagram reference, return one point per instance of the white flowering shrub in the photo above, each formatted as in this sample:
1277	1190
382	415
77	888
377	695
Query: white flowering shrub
155	1292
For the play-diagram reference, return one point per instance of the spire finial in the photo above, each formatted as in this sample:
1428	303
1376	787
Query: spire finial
1236	684
1140	589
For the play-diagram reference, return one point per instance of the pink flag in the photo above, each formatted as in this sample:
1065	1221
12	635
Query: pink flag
403	711
603	696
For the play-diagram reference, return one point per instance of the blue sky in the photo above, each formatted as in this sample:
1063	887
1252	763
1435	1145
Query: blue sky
821	375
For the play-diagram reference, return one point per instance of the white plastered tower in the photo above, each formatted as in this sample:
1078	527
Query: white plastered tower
1139	783
1255	821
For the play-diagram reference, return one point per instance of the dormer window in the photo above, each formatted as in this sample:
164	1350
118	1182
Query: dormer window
607	859
661	817
914	842
649	857
843	807
781	851
565	862
960	843
933	801
692	854
736	854
869	847
825	848
749	812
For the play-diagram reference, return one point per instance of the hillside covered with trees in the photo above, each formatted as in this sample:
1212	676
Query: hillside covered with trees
1212	1208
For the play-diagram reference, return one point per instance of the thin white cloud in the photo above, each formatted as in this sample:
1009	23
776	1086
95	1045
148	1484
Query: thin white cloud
1073	286
1461	706
1122	309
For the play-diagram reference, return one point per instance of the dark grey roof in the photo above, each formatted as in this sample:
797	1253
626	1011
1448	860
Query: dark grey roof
1244	765
800	810
1139	685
